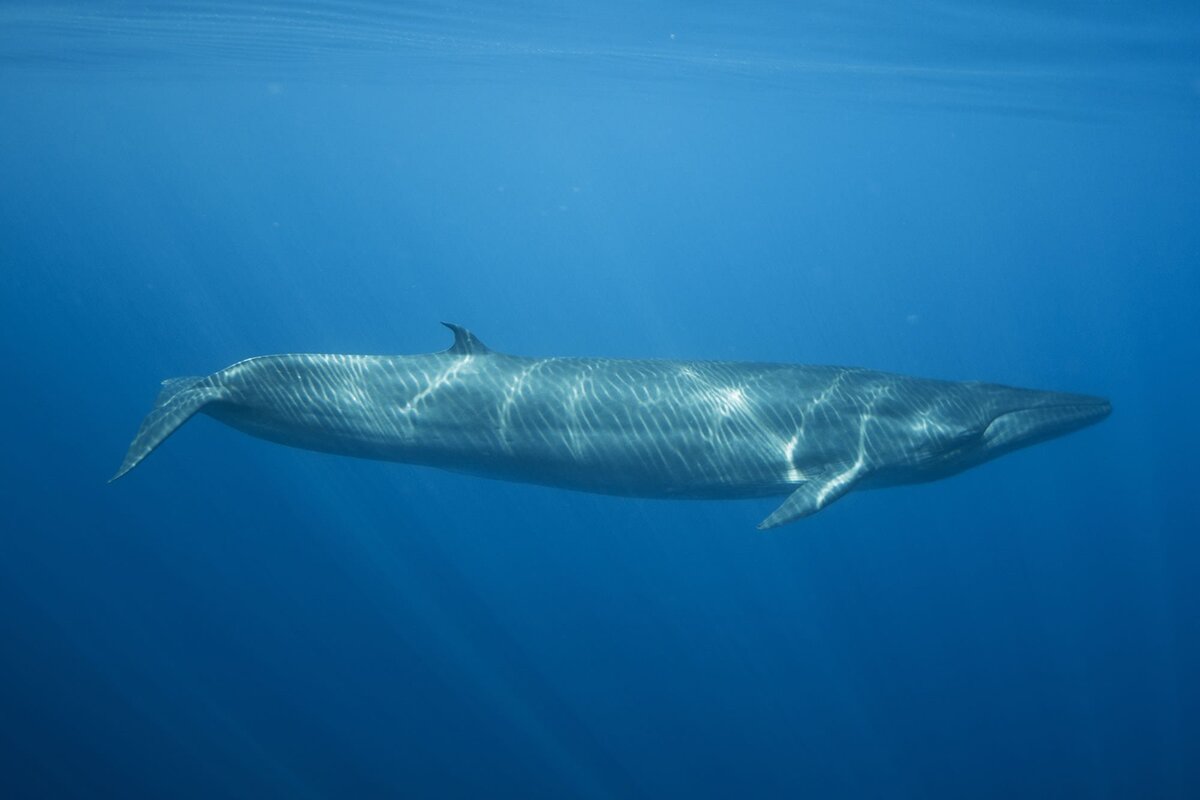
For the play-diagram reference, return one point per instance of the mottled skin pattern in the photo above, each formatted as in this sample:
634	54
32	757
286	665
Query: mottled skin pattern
697	429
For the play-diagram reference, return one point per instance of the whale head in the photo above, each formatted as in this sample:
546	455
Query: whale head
1022	417
978	422
959	426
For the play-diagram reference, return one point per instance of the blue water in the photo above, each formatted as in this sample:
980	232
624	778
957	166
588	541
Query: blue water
1007	192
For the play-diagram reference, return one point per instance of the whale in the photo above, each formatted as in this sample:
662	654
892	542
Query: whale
640	428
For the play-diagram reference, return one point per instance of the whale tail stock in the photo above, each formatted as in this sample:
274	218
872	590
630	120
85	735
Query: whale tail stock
179	399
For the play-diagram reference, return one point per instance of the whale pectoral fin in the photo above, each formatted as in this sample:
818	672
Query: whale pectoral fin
811	497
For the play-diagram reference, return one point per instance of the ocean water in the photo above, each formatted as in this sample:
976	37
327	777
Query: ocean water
1007	192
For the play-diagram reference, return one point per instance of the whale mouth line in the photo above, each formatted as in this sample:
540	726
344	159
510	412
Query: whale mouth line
1091	406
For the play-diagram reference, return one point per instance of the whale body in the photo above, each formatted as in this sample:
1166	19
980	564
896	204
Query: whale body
646	428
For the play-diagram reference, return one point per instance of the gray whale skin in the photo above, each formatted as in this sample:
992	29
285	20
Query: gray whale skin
686	429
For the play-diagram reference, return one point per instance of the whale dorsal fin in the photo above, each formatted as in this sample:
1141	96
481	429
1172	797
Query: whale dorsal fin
465	342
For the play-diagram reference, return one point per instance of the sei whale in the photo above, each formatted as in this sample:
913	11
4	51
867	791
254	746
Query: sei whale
686	429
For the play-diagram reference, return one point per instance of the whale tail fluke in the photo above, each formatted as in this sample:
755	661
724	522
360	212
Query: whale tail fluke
179	399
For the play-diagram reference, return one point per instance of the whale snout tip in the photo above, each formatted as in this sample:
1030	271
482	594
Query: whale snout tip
1077	411
1069	408
1092	409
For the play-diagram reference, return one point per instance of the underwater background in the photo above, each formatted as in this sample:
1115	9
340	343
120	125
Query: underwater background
1006	191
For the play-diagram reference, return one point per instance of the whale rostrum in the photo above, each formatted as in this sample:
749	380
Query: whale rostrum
644	428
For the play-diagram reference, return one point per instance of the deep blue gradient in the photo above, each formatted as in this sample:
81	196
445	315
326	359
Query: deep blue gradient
1009	194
